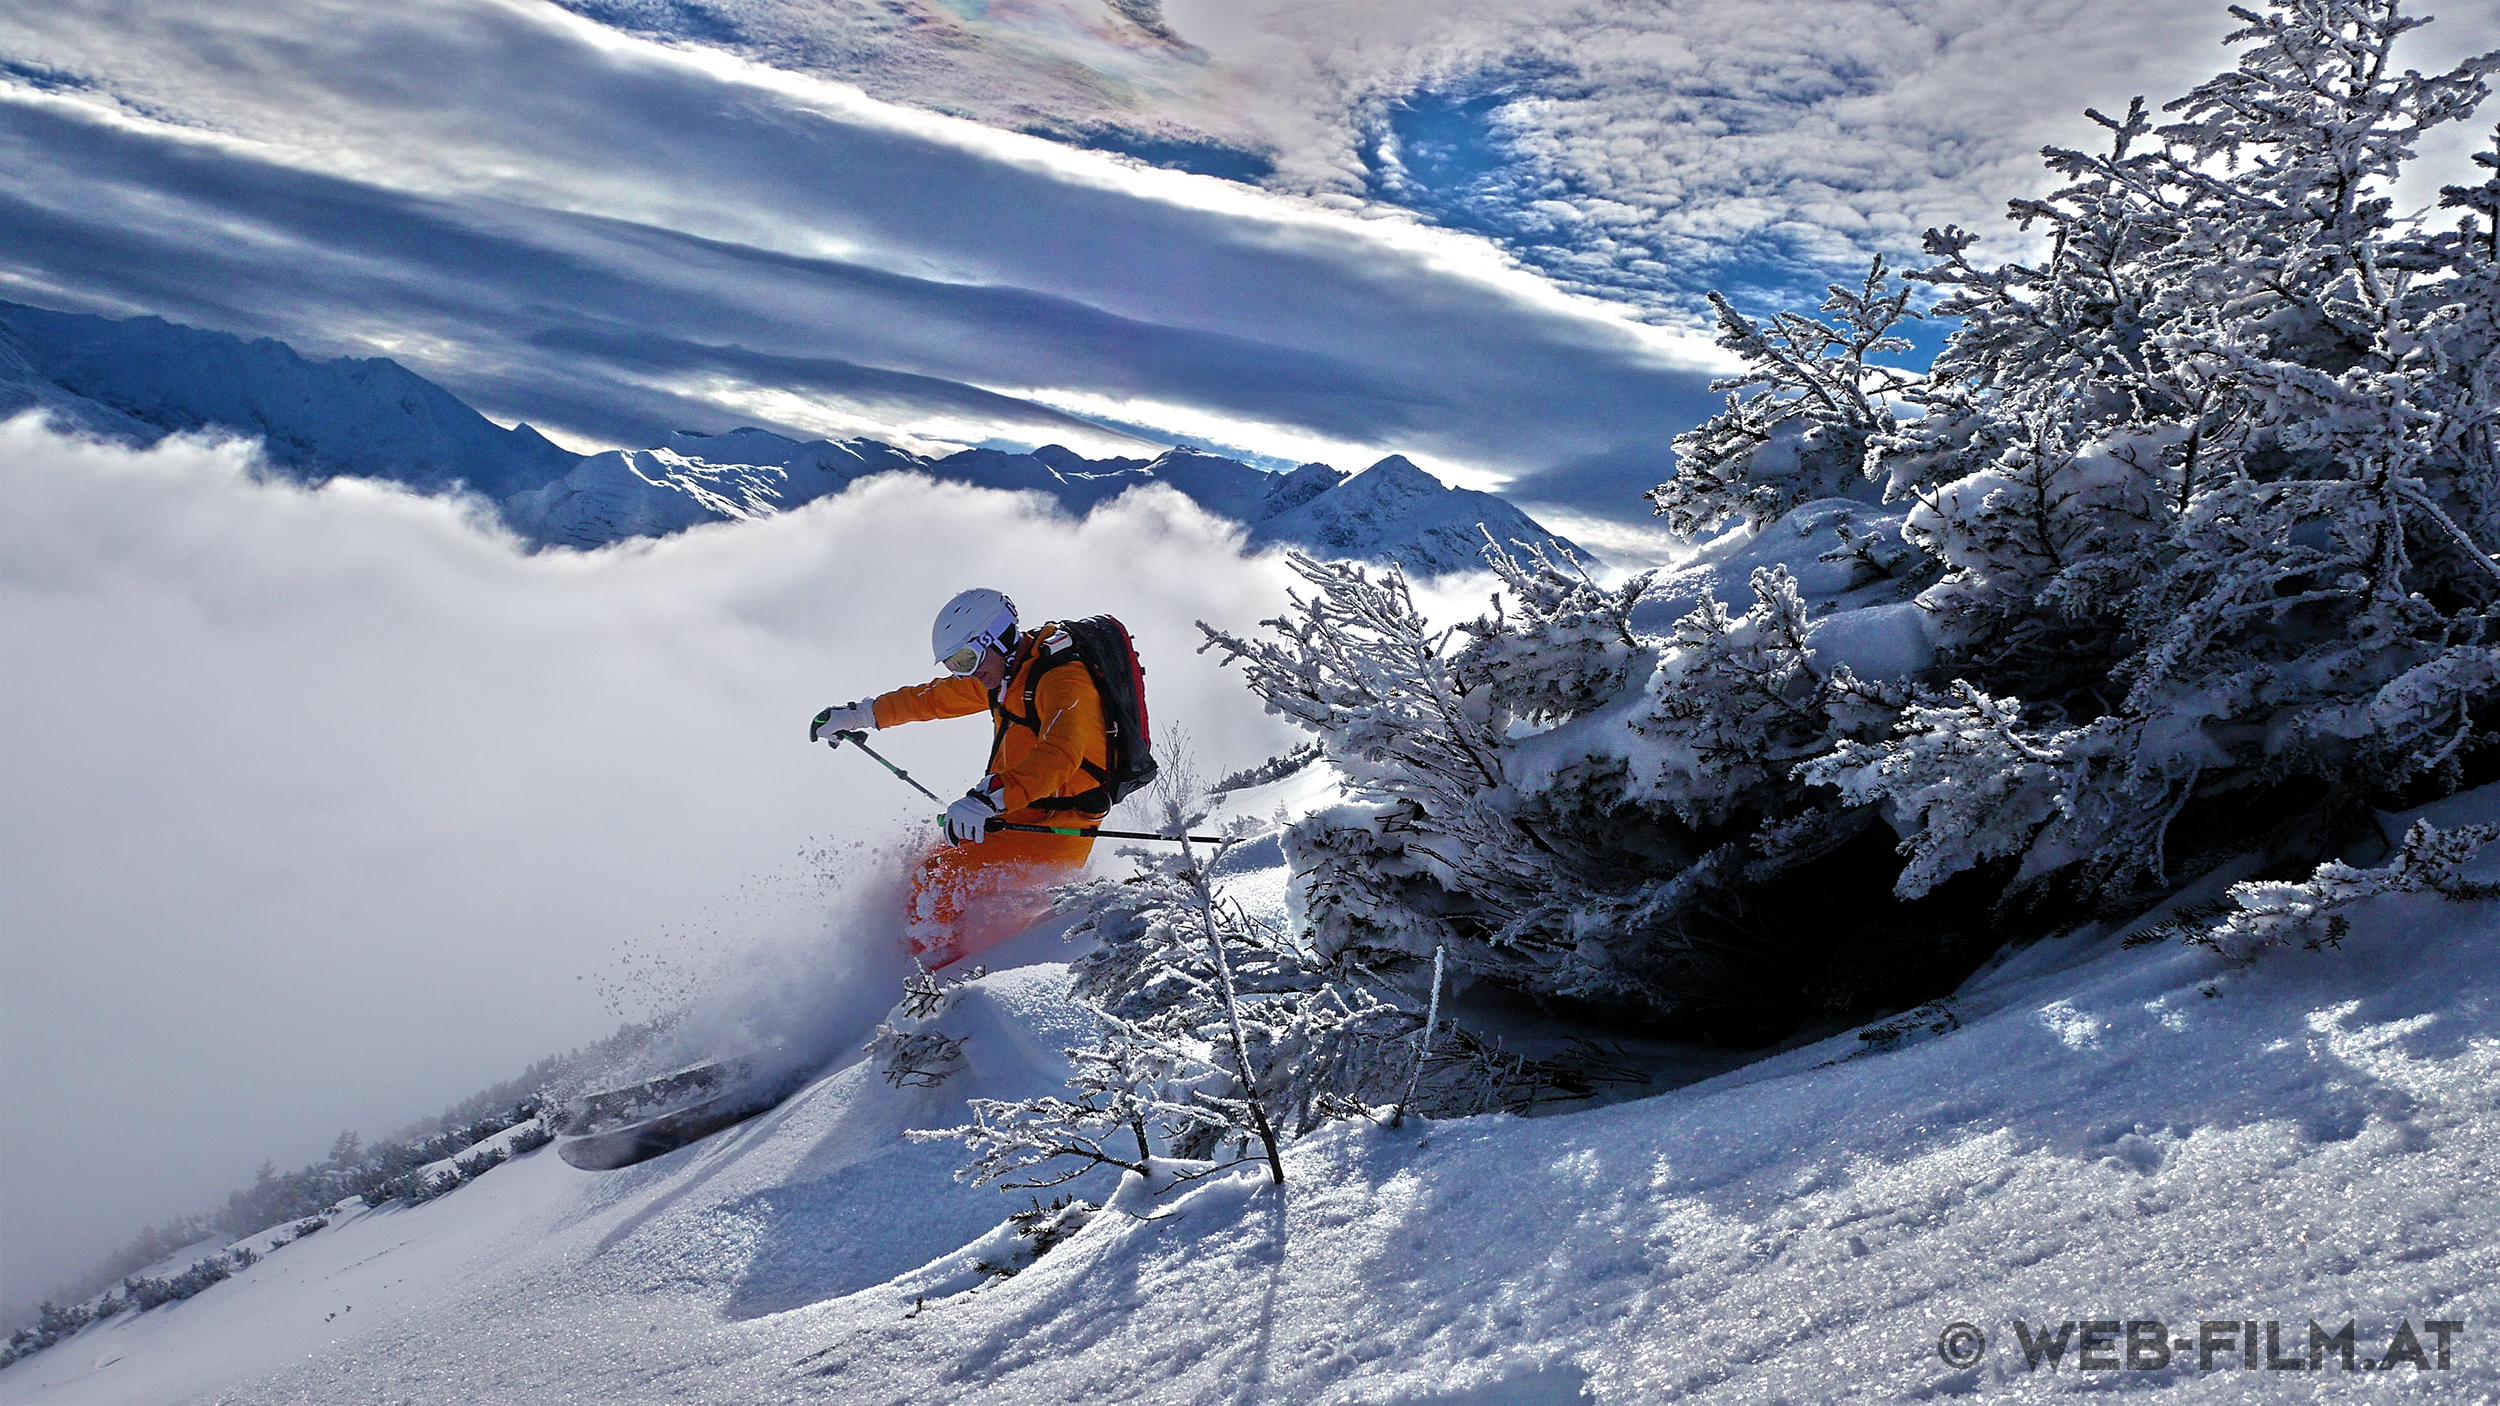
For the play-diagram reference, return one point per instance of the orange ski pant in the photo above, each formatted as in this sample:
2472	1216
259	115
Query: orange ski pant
970	898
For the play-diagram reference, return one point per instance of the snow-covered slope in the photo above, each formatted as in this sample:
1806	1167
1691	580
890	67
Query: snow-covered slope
140	378
2088	1131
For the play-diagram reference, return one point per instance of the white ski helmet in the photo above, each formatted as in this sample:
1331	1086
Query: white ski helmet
977	619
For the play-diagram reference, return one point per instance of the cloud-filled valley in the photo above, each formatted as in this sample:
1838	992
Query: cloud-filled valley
330	806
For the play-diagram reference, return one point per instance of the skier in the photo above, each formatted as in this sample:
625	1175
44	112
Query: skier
1048	763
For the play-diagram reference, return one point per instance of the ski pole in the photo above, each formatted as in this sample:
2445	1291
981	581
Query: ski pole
860	740
1097	831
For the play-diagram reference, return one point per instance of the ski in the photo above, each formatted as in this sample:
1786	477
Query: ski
638	1103
640	1142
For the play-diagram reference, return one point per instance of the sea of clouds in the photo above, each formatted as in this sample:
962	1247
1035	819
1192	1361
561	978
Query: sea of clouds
326	807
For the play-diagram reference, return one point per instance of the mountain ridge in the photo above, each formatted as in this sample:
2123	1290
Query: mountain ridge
139	379
371	417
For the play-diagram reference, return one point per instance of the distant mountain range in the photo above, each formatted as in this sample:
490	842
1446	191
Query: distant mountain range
138	380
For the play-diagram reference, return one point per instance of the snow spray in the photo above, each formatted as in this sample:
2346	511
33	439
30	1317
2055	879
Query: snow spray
815	974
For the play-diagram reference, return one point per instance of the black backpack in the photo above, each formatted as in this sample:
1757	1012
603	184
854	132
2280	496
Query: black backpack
1103	646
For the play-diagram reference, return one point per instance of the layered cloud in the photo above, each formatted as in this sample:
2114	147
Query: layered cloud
1647	151
326	807
618	219
613	238
1656	150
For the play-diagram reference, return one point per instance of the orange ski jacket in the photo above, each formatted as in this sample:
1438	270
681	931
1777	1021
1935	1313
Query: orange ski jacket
1039	758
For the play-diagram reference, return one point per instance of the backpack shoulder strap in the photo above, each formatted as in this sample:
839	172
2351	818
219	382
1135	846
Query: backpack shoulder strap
1061	650
1058	651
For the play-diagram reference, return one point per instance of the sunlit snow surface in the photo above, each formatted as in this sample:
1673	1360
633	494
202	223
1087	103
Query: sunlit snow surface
2111	1133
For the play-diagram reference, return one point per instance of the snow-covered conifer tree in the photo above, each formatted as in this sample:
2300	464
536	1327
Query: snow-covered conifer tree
2316	912
2213	484
1220	1039
1559	805
1816	403
2199	508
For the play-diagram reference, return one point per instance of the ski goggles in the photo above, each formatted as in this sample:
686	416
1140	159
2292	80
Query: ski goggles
968	658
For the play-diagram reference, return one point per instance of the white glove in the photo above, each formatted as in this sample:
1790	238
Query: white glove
843	717
968	820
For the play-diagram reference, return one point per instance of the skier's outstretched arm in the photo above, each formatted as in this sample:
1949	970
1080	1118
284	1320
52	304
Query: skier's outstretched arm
955	696
950	697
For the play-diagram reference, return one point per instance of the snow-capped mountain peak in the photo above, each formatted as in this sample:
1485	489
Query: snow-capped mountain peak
1396	511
